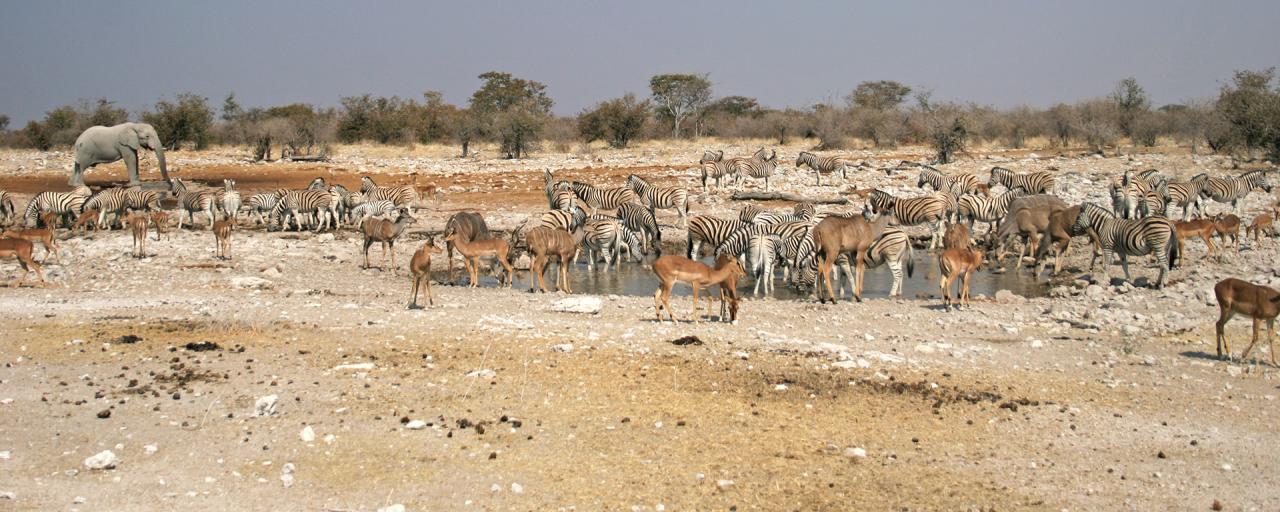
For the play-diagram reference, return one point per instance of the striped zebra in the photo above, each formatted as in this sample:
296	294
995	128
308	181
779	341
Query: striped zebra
229	200
1131	237
317	184
807	261
951	204
781	218
380	207
1154	201
960	184
568	220
892	247
912	211
112	201
806	209
316	204
564	200
403	195
1039	182
7	209
142	200
749	212
823	165
711	156
1124	198
759	167
709	230
603	198
1232	189
602	238
554	190
661	198
261	204
762	252
1186	195
987	209
67	205
192	201
717	170
641	220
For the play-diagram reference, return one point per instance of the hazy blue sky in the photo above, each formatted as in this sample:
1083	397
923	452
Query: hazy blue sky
792	53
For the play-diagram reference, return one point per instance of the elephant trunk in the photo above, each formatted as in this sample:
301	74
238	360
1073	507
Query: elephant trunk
164	171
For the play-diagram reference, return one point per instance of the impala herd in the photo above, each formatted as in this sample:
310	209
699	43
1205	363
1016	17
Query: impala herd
808	246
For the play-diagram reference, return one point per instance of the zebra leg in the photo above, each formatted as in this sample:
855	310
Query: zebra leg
895	267
1124	264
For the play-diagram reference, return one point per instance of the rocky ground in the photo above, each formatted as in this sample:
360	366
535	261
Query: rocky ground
288	378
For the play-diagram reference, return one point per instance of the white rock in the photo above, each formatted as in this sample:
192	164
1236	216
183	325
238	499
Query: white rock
265	406
80	500
563	347
286	474
517	488
5	455
103	460
855	452
355	366
925	348
150	449
1037	344
8	495
484	374
308	434
330	438
250	282
416	425
1008	297
587	305
724	484
392	508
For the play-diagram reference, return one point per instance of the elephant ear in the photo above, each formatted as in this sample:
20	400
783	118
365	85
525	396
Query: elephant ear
129	137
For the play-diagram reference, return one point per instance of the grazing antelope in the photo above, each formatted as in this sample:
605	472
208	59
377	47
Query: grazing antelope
1227	224
957	237
1262	222
43	235
87	221
470	225
545	242
386	232
138	226
672	269
420	270
1203	228
20	250
472	251
953	263
221	237
1258	302
160	219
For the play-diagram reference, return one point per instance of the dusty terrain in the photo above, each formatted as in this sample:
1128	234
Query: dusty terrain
1093	397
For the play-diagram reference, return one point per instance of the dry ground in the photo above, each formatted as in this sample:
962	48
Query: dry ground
1047	403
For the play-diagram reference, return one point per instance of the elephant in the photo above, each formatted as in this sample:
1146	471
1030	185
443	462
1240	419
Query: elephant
106	144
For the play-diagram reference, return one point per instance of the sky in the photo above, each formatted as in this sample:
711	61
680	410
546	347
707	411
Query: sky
785	54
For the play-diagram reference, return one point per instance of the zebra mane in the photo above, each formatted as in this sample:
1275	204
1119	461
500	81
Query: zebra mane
1096	209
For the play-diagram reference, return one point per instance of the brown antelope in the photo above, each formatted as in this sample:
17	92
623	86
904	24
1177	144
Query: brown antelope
545	242
87	221
471	227
957	237
20	250
1262	222
672	269
1203	228
472	251
953	263
160	219
45	236
420	269
386	232
834	236
1228	225
1258	302
137	223
222	237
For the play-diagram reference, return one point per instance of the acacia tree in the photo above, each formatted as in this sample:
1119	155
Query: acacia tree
875	105
616	121
945	127
511	110
1131	104
187	119
678	96
1251	109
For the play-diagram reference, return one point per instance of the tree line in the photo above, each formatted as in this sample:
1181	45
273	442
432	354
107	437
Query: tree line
515	114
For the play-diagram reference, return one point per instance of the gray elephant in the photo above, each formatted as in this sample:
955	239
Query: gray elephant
106	144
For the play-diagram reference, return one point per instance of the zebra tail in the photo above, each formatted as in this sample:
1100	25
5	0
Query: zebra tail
1175	250
911	259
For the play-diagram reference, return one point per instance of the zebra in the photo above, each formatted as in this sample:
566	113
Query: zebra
7	209
603	198
343	202
144	200
823	164
192	201
602	237
1124	198
805	208
759	167
1131	237
1154	201
807	261
665	198
640	219
1039	182
709	230
293	203
568	220
960	184
1232	189
317	184
553	189
749	212
951	204
762	252
912	211
67	205
1186	194
711	156
564	200
110	200
229	200
781	218
717	170
262	203
892	246
403	195
987	209
371	209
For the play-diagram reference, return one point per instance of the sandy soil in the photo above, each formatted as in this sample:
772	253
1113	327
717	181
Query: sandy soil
1097	397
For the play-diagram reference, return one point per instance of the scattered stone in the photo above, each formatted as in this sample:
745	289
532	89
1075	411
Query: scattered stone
127	339
251	283
286	474
80	500
517	488
104	414
150	449
687	340
392	508
415	425
724	484
483	374
1008	297
1094	291
8	495
563	347
855	452
265	406
585	305
355	366
103	460
203	346
308	434
5	455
